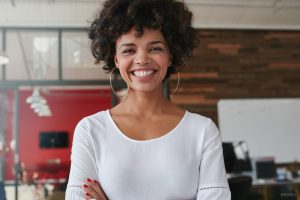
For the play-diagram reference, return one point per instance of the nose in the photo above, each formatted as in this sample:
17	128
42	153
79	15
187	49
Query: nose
142	58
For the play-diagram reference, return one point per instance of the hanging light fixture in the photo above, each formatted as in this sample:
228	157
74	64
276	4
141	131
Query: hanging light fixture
35	97
39	104
3	58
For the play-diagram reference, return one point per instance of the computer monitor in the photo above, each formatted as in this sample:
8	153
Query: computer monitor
265	168
54	139
229	156
234	163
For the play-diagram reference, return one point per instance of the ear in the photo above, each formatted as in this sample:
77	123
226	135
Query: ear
116	61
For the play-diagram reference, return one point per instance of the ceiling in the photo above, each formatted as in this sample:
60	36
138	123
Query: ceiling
216	14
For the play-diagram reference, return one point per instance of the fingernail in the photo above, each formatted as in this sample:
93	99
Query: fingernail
95	181
88	180
85	186
87	194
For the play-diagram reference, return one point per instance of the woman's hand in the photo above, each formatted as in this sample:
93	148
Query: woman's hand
93	190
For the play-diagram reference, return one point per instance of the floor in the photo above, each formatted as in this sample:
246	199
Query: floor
31	192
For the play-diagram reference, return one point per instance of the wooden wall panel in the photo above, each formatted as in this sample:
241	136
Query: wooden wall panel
238	64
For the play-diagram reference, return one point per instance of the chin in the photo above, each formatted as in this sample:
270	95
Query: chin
144	89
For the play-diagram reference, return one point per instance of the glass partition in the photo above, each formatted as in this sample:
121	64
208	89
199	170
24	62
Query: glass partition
7	141
33	55
78	62
2	134
1	47
1	38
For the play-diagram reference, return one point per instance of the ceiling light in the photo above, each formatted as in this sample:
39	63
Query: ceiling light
3	58
36	97
39	104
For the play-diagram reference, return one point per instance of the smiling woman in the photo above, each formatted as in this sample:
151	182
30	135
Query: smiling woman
145	147
171	18
142	61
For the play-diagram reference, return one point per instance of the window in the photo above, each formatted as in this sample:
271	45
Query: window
78	62
34	55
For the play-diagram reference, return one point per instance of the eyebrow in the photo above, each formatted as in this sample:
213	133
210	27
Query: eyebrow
132	44
156	42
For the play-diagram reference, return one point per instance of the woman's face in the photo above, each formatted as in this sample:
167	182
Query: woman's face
143	61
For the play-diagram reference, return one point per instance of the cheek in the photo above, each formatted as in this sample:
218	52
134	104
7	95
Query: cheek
123	64
123	68
165	64
124	61
123	72
165	60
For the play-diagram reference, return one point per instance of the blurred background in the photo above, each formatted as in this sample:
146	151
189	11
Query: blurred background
245	75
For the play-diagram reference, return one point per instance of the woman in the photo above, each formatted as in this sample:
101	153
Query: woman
145	147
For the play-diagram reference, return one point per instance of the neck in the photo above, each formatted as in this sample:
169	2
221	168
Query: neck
145	103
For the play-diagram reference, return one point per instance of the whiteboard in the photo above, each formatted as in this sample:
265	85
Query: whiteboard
270	127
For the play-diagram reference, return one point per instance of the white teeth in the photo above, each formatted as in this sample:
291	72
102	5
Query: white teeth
143	73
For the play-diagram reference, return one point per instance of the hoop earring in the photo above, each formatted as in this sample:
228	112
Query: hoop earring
178	81
111	86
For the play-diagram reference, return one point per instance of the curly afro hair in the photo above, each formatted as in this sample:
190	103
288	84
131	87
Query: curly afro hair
117	17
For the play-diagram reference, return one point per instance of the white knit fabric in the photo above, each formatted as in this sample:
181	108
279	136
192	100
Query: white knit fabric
185	163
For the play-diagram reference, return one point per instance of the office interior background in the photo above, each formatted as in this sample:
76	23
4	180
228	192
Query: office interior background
245	75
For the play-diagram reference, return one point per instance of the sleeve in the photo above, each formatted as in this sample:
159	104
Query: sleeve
83	162
213	184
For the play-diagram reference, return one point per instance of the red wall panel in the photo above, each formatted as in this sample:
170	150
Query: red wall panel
68	107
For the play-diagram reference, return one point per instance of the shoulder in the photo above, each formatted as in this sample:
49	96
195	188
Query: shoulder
100	116
202	124
198	120
205	131
92	123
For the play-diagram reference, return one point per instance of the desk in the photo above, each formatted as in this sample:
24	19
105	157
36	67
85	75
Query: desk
264	186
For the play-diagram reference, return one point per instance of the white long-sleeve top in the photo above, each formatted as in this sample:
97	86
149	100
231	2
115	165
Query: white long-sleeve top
185	163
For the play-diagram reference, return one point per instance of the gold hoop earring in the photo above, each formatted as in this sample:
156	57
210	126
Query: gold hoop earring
178	81
111	86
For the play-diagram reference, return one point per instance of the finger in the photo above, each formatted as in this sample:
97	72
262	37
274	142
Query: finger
97	186
94	184
90	193
87	191
93	195
88	196
94	188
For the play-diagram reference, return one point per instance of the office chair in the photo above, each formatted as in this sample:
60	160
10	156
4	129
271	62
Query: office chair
240	187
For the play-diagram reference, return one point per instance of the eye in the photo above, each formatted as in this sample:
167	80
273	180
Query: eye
128	51
156	49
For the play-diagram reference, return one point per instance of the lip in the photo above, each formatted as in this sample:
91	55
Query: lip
142	69
143	79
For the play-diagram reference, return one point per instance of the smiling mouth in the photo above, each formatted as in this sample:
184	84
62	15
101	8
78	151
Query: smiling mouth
142	74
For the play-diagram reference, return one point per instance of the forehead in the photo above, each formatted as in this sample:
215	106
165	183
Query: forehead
133	36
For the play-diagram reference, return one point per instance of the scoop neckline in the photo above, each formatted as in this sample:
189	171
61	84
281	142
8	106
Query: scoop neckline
166	135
